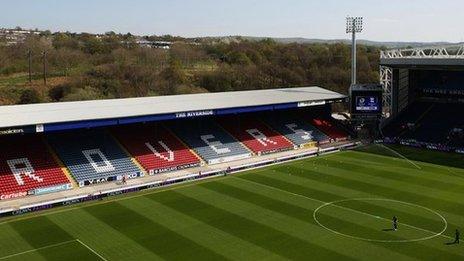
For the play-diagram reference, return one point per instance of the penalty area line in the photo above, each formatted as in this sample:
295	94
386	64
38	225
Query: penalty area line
92	250
55	245
37	249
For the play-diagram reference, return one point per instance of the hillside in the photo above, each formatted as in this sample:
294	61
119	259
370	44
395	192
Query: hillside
300	40
85	66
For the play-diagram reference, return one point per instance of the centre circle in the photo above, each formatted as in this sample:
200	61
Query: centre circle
338	205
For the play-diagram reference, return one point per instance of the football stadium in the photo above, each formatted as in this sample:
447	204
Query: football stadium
245	175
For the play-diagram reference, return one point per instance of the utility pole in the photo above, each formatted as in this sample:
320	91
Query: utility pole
353	25
29	57
44	57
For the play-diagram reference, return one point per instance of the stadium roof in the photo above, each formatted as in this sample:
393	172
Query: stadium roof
50	113
446	56
422	62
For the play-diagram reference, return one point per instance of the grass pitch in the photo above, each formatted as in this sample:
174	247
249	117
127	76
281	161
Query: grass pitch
335	207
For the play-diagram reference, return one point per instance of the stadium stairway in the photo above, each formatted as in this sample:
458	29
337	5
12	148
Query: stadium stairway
295	146
209	141
257	136
27	167
202	162
93	156
252	153
61	164
155	148
134	160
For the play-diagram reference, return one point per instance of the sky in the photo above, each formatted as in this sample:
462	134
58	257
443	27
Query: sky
385	20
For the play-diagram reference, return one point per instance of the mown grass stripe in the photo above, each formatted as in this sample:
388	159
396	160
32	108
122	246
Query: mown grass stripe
215	239
302	201
72	250
35	250
11	242
269	203
389	158
323	202
303	214
430	158
264	236
312	192
354	225
341	177
287	175
91	250
432	165
408	177
428	222
41	232
162	241
433	173
117	198
278	220
103	238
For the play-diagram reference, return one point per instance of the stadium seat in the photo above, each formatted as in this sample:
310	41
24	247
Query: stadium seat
155	148
26	165
93	156
298	132
328	127
209	141
257	136
428	123
407	119
321	118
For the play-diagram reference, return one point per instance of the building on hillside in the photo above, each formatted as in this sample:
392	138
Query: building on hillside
154	44
16	36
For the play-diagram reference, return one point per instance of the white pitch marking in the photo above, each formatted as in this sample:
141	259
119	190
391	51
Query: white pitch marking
333	203
37	249
401	155
93	251
360	212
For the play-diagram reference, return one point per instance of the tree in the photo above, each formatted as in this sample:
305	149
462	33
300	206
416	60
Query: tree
173	75
92	45
46	33
240	58
86	93
29	96
65	40
113	65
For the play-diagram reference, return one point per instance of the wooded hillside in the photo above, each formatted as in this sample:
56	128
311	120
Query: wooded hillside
84	66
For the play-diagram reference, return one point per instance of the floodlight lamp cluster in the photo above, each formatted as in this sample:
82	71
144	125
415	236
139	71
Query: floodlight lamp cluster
354	24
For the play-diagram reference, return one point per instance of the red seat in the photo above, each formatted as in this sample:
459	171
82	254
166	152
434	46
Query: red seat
156	148
257	136
329	128
27	157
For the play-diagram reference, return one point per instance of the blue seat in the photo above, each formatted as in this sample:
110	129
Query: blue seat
210	141
295	130
93	156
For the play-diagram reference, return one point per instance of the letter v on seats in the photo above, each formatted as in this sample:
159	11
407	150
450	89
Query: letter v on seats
159	155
